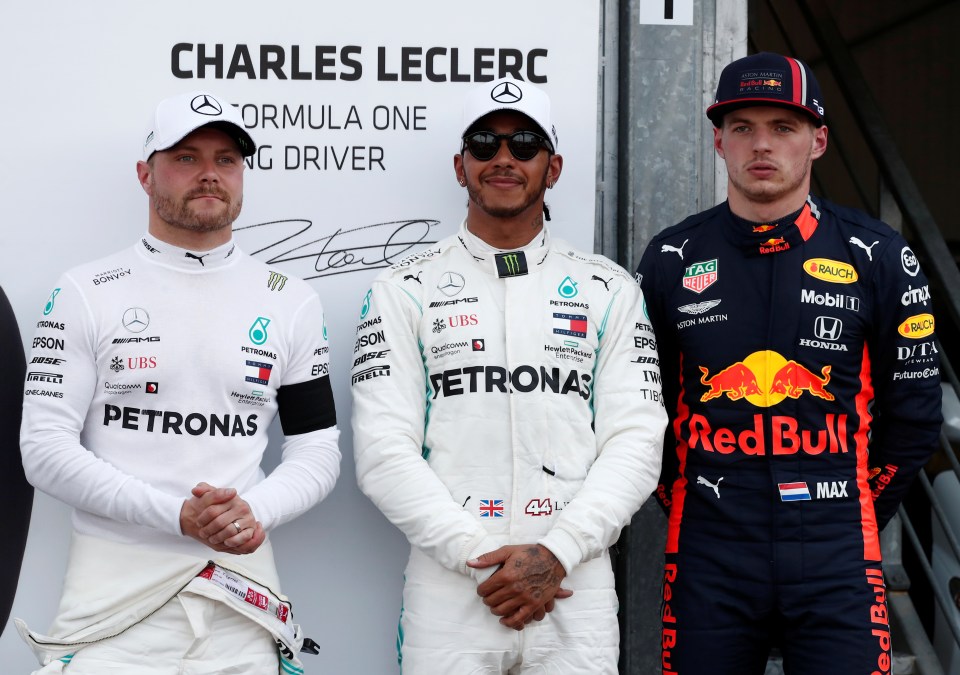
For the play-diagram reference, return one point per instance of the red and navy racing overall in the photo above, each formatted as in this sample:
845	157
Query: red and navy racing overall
802	379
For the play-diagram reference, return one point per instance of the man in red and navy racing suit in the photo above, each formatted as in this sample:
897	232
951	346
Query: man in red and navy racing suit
801	374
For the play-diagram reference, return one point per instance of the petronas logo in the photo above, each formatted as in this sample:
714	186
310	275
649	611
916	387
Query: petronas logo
365	308
47	308
567	288
276	281
258	331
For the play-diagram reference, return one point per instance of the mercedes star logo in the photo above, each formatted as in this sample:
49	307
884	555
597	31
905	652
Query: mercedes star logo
506	92
136	319
205	105
451	283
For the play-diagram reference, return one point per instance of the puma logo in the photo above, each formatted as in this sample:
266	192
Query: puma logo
716	488
415	278
667	248
856	242
605	282
199	258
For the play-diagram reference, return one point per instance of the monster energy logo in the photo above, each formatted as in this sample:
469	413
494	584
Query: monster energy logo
276	281
511	264
258	331
47	308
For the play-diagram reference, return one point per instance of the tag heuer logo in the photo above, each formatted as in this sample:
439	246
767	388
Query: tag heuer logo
700	275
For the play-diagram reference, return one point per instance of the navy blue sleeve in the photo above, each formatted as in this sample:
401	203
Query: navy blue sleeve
16	495
905	371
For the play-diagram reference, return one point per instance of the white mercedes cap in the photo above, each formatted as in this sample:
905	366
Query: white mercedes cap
178	116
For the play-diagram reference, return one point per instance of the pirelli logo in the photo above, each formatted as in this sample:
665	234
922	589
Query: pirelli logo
276	281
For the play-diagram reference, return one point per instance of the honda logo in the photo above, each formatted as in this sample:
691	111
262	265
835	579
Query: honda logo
828	328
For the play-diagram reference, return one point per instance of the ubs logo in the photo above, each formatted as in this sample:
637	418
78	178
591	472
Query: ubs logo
205	105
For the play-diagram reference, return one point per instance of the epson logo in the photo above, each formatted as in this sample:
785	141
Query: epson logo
445	303
133	340
369	340
830	300
48	343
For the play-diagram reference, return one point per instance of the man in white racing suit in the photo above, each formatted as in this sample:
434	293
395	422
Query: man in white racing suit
154	376
507	416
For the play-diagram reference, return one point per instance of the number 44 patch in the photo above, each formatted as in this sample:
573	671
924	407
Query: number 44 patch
539	507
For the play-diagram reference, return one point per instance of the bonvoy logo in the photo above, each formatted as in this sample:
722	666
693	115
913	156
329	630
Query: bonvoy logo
916	327
832	271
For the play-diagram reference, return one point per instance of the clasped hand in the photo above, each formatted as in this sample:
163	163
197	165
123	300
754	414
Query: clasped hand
220	519
526	585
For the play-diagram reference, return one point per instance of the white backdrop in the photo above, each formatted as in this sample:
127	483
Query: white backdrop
381	81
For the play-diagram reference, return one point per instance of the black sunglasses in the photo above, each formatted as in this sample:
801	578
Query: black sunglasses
523	145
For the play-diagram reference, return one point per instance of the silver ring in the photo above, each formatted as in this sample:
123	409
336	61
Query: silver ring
237	525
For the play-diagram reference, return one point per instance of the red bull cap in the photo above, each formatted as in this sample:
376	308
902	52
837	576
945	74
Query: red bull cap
767	79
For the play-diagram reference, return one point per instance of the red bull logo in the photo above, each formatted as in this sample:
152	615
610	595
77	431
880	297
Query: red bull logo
736	381
773	245
794	379
764	379
785	437
772	83
763	228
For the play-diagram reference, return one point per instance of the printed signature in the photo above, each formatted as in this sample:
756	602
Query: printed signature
362	248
